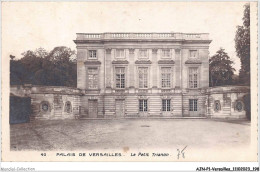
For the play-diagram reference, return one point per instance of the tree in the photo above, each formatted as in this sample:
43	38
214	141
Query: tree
39	67
242	44
221	71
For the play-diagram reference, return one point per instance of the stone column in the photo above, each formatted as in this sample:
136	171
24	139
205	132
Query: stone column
178	68
108	68
131	68
154	68
81	69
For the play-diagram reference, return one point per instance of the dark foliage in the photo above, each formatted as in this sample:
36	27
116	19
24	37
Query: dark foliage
242	43
247	103
220	69
56	68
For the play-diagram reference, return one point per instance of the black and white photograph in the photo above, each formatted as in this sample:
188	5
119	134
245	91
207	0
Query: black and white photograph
129	81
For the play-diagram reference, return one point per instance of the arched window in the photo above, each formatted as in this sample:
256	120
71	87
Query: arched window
217	106
68	107
239	106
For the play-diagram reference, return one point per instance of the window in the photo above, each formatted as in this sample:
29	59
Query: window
193	77
193	53
143	105
68	107
239	106
166	105
92	78
120	77
92	54
193	105
143	53
120	53
45	106
166	53
166	77
143	75
217	106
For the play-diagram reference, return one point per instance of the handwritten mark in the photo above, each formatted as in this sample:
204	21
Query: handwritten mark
181	152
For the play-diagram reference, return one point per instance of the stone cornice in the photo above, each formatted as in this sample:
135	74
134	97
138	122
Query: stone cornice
166	62
92	62
193	61
120	62
143	62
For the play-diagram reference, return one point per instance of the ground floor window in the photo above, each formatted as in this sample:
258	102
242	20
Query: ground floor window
217	106
68	107
45	107
166	105
143	105
193	104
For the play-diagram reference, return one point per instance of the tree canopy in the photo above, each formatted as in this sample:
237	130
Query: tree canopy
39	67
221	71
242	44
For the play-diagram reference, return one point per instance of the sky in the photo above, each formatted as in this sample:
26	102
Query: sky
30	25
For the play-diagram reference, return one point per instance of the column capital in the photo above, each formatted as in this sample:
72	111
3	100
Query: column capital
154	50
177	50
108	50
131	50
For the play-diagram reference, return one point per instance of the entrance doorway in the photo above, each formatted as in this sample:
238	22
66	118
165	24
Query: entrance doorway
120	108
193	107
92	108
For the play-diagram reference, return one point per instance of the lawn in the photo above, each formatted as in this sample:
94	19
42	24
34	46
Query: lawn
137	133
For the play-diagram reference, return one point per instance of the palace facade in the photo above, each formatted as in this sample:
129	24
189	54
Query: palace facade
135	75
143	74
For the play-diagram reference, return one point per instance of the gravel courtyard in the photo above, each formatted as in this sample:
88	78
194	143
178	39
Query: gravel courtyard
139	133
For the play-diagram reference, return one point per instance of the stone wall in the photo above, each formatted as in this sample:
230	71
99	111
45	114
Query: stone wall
50	102
227	102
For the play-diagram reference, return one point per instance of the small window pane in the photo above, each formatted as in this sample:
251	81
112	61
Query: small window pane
92	54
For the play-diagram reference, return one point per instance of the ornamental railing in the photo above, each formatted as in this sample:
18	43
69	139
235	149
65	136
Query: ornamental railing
104	36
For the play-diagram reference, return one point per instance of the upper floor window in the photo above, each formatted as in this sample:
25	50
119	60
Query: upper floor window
143	105
193	53
166	105
143	53
193	77
120	53
92	78
166	53
166	77
120	77
143	77
92	54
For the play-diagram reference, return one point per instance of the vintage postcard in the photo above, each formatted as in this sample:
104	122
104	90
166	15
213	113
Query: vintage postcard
129	81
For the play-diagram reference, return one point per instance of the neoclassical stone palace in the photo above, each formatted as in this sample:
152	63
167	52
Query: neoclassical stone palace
121	75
